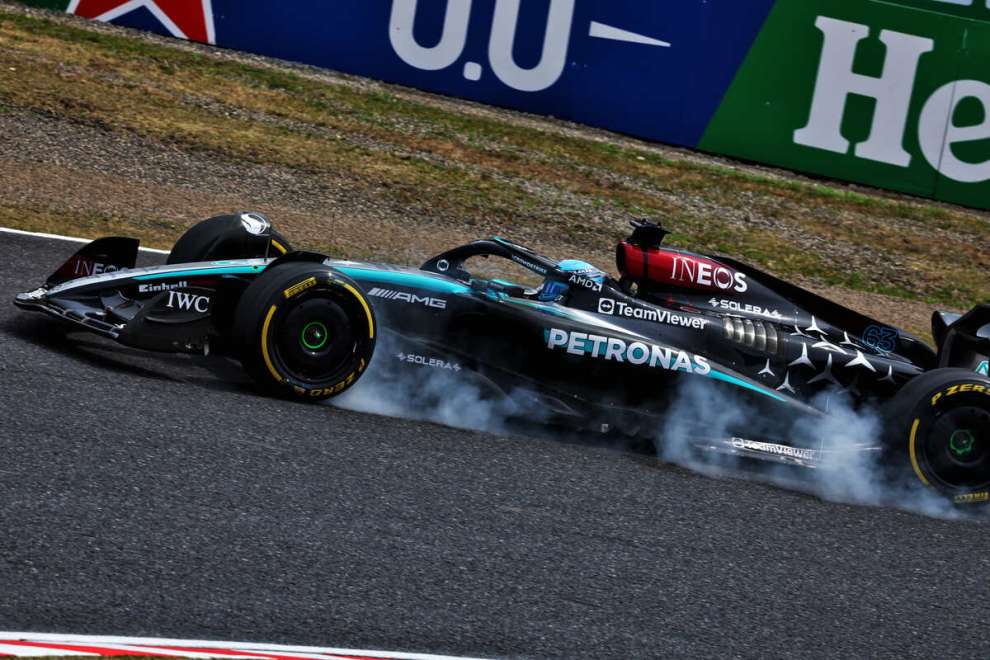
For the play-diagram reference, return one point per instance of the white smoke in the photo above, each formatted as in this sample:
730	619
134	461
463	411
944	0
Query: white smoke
852	473
430	393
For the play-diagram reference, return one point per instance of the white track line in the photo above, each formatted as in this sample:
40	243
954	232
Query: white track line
72	239
34	652
98	640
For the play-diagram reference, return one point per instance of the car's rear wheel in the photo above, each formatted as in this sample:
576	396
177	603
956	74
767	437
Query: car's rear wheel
304	331
941	419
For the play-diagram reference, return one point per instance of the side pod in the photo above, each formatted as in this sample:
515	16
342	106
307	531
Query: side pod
175	321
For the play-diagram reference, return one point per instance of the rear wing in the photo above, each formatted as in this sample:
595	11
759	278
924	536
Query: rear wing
104	255
963	341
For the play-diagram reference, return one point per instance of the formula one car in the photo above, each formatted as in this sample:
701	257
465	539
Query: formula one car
583	348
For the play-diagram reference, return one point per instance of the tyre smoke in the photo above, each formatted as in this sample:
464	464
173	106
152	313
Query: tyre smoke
853	471
444	393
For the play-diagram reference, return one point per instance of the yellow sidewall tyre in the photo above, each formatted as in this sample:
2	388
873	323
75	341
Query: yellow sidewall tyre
940	423
304	331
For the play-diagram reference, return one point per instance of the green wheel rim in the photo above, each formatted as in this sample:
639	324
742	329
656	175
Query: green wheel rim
314	336
961	443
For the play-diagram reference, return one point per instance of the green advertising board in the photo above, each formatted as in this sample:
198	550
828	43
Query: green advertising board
881	93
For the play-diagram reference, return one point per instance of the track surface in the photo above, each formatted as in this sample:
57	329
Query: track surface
157	495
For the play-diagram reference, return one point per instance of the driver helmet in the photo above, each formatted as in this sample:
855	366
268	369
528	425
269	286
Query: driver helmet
554	289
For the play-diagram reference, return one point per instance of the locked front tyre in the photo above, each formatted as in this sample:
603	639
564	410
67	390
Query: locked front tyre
304	331
941	423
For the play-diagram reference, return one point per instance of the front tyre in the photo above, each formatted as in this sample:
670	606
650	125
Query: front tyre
942	420
304	331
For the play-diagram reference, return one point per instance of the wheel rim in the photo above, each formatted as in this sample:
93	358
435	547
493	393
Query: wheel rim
958	447
314	336
314	340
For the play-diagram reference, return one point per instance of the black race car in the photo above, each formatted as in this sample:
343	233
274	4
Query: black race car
582	347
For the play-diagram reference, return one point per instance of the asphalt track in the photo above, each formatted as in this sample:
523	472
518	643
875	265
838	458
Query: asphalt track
155	495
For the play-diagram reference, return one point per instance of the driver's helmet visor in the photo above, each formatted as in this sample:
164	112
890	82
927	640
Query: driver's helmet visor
580	271
552	290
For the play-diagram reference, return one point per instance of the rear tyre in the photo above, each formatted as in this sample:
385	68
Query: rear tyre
941	419
238	236
304	331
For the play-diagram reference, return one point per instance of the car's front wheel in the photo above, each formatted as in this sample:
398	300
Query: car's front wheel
304	331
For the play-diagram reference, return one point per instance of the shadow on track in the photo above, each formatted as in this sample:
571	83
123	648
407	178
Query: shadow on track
98	353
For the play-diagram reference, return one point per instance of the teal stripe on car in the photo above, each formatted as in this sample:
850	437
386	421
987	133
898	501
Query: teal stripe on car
196	272
738	382
400	278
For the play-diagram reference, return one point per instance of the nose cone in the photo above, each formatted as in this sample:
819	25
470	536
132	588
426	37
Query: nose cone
30	297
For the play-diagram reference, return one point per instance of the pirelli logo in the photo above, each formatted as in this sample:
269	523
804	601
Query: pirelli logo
974	388
329	391
972	498
296	289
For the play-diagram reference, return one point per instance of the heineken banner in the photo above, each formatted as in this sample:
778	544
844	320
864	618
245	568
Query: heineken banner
891	93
